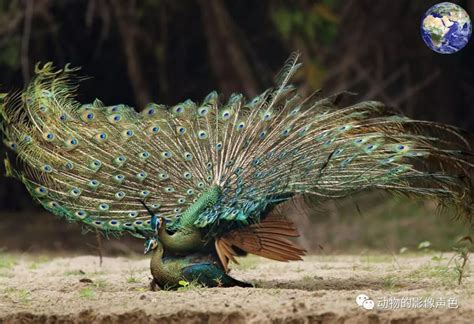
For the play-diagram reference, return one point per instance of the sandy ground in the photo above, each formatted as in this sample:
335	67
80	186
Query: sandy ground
321	289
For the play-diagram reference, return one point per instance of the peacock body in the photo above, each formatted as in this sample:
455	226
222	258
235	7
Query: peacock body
213	172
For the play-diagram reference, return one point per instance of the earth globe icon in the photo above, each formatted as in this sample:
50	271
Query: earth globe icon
446	28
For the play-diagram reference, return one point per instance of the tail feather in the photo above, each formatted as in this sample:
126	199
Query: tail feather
96	163
266	239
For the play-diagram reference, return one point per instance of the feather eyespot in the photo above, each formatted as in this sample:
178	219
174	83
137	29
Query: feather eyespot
81	214
166	154
203	111
69	165
120	195
163	176
141	175
119	178
53	204
128	133
47	168
144	155
75	192
225	115
154	129
95	165
103	207
94	184
41	191
49	137
202	134
144	193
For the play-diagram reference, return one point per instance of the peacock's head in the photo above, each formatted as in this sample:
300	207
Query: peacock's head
151	244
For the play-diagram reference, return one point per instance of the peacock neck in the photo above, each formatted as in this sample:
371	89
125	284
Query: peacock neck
186	237
182	241
207	199
156	263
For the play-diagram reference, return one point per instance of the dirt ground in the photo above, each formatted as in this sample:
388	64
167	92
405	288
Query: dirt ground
322	289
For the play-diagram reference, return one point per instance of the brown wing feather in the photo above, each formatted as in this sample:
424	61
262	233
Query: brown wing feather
266	239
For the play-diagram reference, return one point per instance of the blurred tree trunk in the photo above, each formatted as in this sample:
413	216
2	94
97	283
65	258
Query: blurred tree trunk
226	56
126	22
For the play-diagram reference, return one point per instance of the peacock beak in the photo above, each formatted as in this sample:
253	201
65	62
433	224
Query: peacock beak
148	247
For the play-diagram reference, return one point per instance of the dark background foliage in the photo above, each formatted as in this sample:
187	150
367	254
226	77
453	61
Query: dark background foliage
167	51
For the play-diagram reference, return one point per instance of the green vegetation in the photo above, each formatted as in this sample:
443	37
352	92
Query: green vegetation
22	296
87	293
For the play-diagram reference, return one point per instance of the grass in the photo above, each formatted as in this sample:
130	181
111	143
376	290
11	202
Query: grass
390	283
87	293
7	262
443	274
189	286
132	277
74	273
22	296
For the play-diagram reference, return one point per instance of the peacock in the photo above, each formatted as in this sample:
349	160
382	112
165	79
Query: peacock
201	182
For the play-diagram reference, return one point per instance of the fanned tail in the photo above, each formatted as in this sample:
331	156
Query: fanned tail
220	166
292	145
